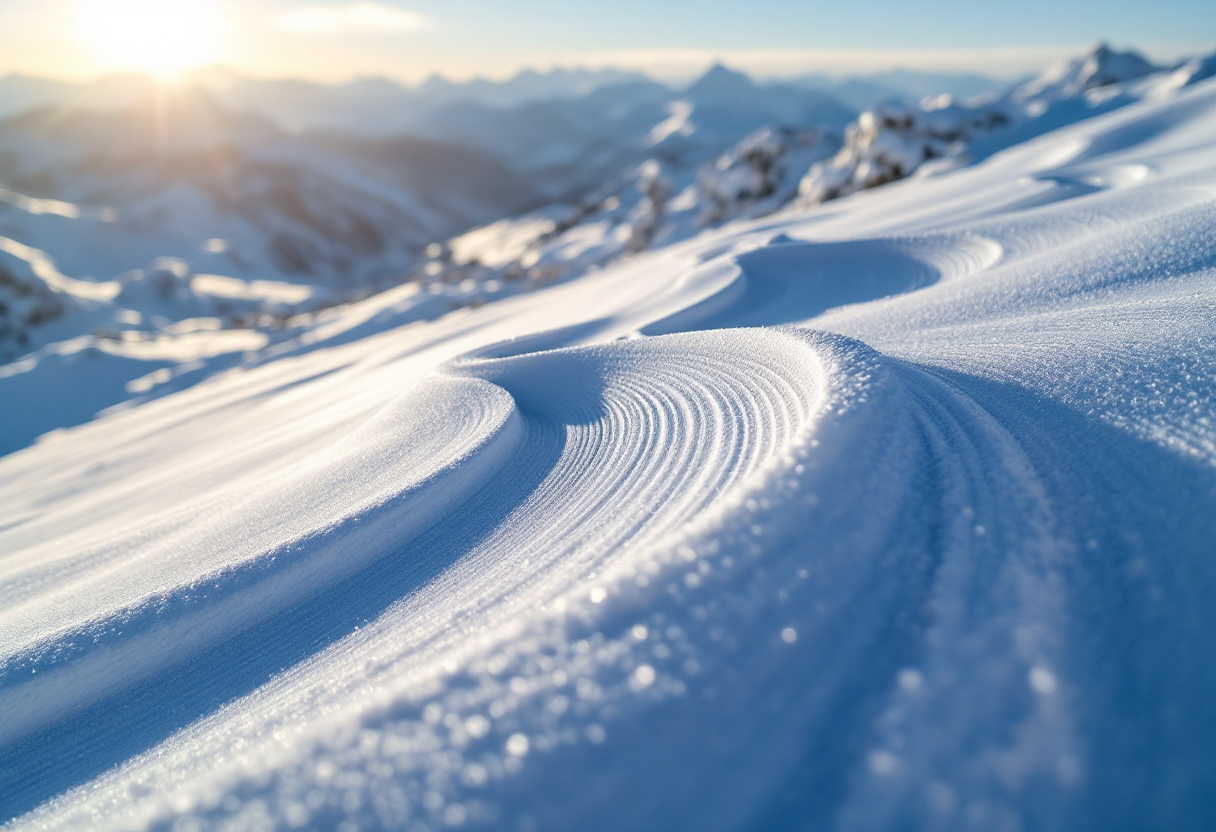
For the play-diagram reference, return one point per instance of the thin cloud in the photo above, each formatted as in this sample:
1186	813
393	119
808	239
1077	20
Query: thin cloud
361	18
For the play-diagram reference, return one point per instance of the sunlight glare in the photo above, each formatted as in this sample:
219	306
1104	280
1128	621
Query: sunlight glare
157	36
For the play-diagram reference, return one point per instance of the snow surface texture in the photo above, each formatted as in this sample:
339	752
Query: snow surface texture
893	514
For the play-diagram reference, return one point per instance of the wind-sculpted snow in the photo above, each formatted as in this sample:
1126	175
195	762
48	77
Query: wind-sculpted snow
787	281
265	543
897	513
617	426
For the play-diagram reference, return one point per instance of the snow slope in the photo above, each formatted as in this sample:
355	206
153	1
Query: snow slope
897	513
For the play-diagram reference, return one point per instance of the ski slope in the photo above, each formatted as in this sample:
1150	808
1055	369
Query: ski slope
895	513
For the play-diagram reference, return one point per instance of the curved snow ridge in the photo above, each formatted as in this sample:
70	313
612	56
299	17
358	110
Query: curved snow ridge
680	418
81	625
1058	185
615	429
789	281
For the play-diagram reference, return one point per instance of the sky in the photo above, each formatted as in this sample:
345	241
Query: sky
336	40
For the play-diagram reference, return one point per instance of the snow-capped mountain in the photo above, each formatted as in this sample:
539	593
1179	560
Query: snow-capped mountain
861	92
655	203
380	107
179	170
228	194
722	103
676	193
566	130
192	181
894	140
367	106
570	146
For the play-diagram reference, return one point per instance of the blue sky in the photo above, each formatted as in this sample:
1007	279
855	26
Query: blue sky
337	39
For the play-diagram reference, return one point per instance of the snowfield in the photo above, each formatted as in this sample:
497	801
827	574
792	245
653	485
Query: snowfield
894	513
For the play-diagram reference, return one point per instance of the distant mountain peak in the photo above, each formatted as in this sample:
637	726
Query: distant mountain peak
436	81
1099	67
1104	65
720	80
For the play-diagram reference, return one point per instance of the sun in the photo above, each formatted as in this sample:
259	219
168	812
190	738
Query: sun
161	37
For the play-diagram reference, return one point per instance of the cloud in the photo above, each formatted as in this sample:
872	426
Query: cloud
360	18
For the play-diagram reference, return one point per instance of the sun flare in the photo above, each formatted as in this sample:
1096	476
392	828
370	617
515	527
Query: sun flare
162	37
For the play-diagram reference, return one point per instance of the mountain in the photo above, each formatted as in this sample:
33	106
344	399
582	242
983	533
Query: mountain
726	105
179	178
334	208
381	107
895	139
527	86
864	91
370	106
566	131
289	98
721	149
676	192
652	204
1101	67
167	194
20	93
569	146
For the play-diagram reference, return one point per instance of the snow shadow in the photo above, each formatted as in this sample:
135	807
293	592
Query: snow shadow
1138	525
787	282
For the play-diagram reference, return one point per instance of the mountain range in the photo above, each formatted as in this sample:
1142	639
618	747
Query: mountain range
127	207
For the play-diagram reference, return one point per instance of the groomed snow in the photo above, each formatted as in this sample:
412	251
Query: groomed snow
897	513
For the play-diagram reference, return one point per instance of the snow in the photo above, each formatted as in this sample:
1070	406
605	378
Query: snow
268	291
893	140
655	203
43	268
676	124
896	512
228	192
